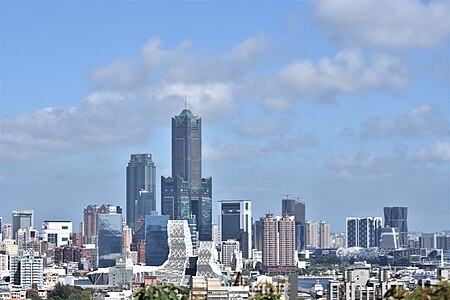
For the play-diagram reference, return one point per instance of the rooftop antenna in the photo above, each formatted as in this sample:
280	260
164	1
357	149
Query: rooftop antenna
287	196
186	103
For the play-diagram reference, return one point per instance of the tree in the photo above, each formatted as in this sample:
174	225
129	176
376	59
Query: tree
162	292
438	292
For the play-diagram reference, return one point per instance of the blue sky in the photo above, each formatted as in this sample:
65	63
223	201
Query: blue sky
342	103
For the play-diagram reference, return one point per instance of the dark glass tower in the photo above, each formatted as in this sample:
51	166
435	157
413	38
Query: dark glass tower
141	186
296	208
186	194
398	217
156	246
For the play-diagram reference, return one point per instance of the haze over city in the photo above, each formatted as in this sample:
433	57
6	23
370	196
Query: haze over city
347	111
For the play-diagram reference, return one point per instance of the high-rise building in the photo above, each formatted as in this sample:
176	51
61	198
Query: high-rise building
235	223
296	208
27	268
270	242
186	193
22	219
90	216
109	239
286	229
141	187
156	246
398	217
312	233
229	248
363	232
258	234
428	240
56	232
278	254
324	235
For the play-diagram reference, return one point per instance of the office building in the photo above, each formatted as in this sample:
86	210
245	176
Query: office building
22	219
364	232
141	187
428	240
296	208
389	238
258	234
56	232
26	269
398	217
109	239
156	246
186	193
324	235
312	233
90	215
235	219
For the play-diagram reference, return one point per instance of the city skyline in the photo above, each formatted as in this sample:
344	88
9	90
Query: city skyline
301	98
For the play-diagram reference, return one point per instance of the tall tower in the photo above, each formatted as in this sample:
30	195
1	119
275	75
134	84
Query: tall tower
22	219
398	217
235	222
141	186
296	208
186	194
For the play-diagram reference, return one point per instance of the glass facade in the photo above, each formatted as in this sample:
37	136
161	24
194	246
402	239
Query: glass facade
109	239
296	208
156	246
397	217
186	193
141	187
22	219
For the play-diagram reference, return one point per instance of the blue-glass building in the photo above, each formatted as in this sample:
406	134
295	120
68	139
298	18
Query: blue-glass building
109	239
156	246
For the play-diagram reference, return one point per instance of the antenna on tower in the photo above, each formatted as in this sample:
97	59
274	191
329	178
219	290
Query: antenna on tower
186	103
286	195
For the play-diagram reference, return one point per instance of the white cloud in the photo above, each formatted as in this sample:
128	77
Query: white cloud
421	120
388	24
438	152
347	72
261	128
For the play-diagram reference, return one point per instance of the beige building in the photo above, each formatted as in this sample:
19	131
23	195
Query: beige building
312	233
286	227
270	241
324	235
279	255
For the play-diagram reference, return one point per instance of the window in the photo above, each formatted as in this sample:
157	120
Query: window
65	227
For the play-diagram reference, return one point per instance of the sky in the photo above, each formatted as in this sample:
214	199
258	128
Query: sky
343	104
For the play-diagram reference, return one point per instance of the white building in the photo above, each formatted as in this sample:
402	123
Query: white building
26	269
57	232
229	248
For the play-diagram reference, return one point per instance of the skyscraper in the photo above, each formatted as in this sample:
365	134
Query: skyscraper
363	232
398	217
286	227
22	219
296	208
270	242
109	239
312	233
90	214
141	186
156	246
235	223
324	234
186	194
